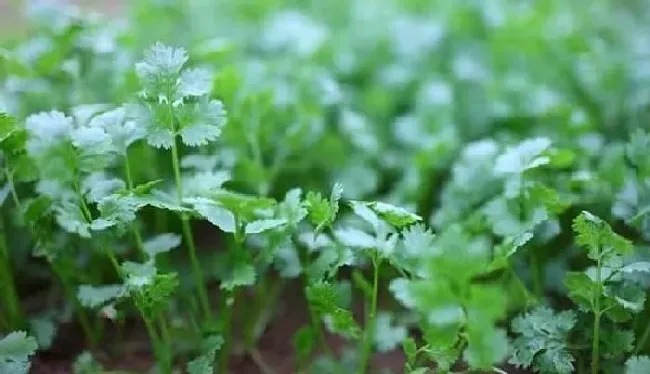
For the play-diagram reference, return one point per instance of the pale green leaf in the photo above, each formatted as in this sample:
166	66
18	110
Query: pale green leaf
215	214
15	351
260	226
161	243
97	296
195	82
388	336
242	274
528	154
637	365
44	329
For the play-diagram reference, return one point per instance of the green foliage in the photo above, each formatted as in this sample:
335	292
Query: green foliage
542	343
203	363
637	364
467	137
15	351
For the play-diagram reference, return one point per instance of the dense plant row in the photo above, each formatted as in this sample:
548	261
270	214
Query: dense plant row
476	175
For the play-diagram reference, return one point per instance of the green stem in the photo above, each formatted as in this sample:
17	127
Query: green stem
370	317
642	341
197	272
82	203
12	190
166	342
536	276
134	229
81	313
315	321
595	349
153	335
226	332
7	285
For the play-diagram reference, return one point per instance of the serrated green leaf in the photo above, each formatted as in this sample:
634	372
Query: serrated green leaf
260	226
542	341
145	188
204	183
215	214
85	363
160	69
204	363
394	215
581	289
202	122
15	351
201	365
303	343
597	236
325	300
291	208
97	296
195	82
8	125
322	212
486	347
417	240
410	349
528	154
242	275
355	238
138	275
637	365
640	266
44	329
161	243
153	297
70	217
387	335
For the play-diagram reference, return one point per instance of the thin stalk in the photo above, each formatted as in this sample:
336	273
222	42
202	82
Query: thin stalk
536	276
227	317
12	190
153	335
261	364
370	317
82	203
535	271
315	321
642	341
595	349
265	306
226	332
81	313
166	342
9	295
197	272
129	183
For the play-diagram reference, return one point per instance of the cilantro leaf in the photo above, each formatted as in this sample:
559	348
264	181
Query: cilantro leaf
15	351
161	243
637	365
260	226
201	122
97	296
195	82
542	342
528	154
387	336
160	68
322	212
599	238
394	215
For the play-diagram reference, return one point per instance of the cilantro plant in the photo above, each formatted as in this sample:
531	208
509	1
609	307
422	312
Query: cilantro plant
338	183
